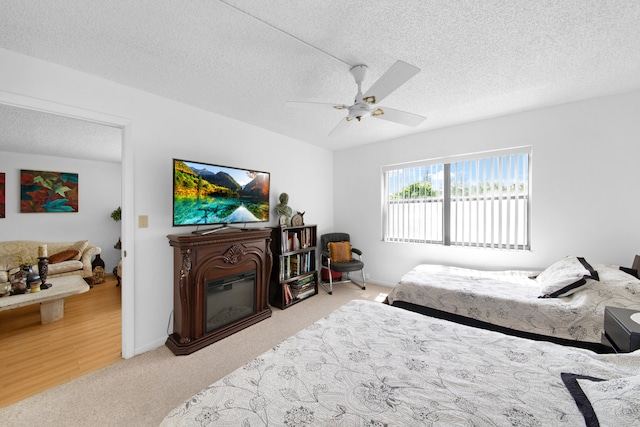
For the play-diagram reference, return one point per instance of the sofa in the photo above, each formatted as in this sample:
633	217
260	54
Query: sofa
65	258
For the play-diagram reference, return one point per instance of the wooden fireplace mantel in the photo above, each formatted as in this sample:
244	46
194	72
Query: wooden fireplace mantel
202	258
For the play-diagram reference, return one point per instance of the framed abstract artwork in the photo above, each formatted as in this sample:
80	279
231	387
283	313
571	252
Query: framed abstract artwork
2	206
42	191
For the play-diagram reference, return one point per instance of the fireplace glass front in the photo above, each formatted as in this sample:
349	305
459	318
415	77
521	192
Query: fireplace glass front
229	299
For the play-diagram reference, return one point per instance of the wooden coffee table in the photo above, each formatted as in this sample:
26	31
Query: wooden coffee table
51	300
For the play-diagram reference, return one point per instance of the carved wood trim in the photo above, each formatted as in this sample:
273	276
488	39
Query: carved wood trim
184	292
234	254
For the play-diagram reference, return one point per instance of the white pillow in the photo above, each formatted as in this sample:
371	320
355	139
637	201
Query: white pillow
614	402
565	277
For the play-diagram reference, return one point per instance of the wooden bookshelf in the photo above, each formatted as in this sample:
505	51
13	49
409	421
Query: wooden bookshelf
294	276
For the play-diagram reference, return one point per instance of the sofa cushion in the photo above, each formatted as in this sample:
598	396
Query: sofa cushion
62	267
7	262
63	256
79	246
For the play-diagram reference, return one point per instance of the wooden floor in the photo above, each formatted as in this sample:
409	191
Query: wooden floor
36	357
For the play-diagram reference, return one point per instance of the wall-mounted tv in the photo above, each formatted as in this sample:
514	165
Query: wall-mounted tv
207	194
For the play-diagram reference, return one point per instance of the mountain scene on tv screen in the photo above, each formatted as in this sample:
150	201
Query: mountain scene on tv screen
206	194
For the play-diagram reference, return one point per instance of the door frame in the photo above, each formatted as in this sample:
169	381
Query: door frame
128	252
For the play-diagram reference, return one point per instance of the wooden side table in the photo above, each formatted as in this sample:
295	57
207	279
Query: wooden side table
621	332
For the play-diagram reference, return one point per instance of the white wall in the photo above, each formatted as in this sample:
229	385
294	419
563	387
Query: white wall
99	186
584	196
159	131
589	147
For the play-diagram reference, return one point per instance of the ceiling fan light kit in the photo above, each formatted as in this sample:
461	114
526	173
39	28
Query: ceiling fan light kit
364	105
359	110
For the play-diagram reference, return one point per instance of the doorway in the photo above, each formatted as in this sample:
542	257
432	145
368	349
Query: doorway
98	118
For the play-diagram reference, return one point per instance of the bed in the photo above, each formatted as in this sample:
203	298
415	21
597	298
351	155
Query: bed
511	301
371	364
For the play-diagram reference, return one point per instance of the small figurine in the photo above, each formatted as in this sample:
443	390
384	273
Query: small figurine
298	219
283	210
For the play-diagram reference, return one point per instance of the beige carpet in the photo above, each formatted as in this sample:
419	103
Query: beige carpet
140	391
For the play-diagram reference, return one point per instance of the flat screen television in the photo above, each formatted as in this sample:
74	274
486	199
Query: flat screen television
207	194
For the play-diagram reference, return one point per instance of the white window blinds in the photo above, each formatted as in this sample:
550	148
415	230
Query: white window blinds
480	200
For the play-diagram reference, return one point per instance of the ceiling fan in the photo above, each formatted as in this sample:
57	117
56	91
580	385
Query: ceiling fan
366	104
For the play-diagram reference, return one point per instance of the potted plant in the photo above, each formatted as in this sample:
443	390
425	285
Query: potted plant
116	215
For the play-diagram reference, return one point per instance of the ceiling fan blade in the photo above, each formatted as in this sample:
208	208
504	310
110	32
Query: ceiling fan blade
396	76
343	125
314	105
397	116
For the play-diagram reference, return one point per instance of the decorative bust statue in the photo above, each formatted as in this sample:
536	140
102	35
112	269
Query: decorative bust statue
282	209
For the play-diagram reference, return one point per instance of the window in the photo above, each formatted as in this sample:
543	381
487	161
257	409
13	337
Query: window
479	200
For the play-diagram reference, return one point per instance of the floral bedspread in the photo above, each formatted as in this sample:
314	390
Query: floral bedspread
370	364
510	299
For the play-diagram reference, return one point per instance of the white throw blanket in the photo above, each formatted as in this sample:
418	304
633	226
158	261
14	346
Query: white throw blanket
369	364
510	299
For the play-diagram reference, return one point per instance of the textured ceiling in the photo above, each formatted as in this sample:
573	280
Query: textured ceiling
478	59
41	133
